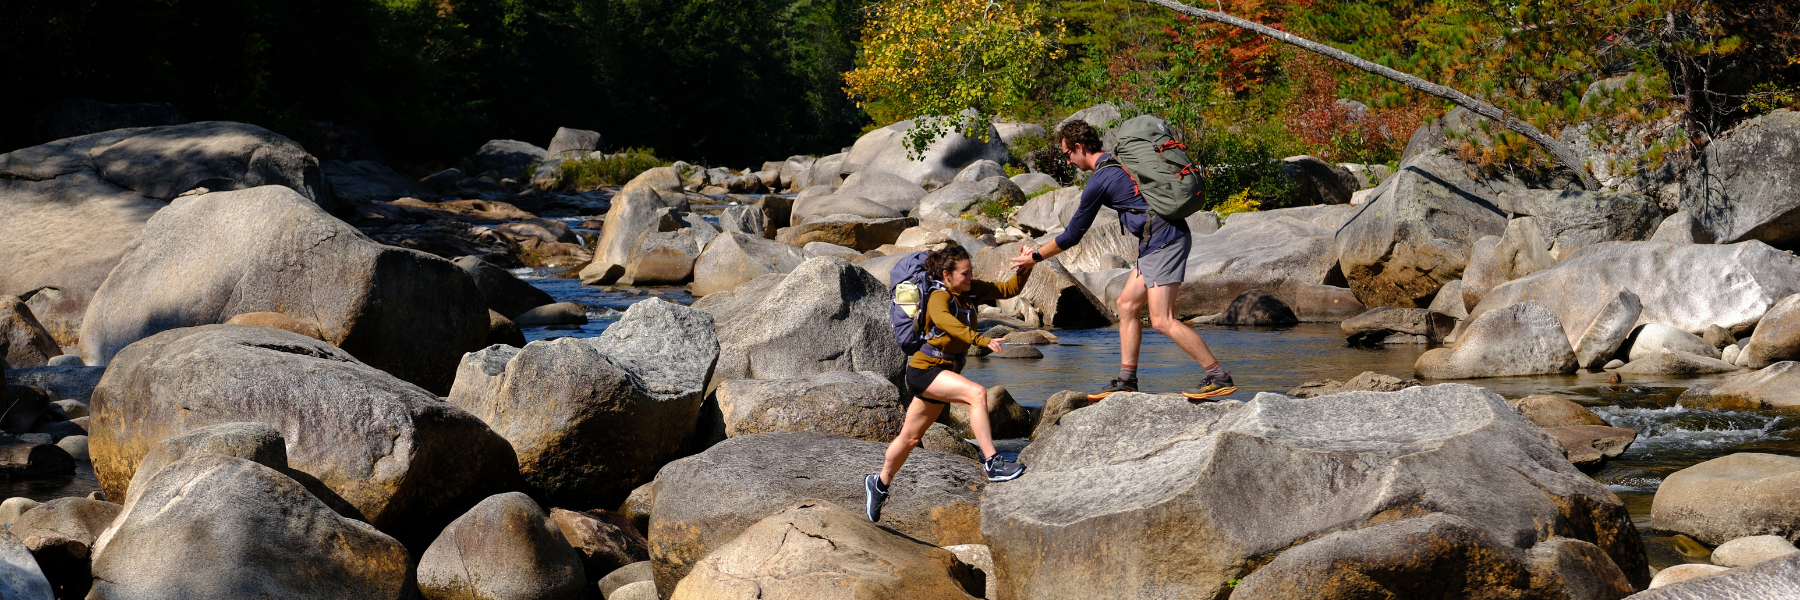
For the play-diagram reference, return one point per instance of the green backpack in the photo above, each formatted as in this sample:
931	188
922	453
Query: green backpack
1165	177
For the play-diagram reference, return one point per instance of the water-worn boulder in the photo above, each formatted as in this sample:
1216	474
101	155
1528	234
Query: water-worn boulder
1548	411
939	437
885	150
1035	183
855	404
27	344
735	258
106	185
945	207
662	258
604	540
1315	303
504	293
1376	325
1105	243
1775	386
1256	307
1610	329
859	233
1047	212
368	181
1368	381
828	249
1650	339
574	143
747	220
1770	579
1587	446
1449	300
1730	497
1676	362
838	554
978	170
1051	291
1522	339
1571	219
1777	335
627	575
1689	286
206	258
260	443
1746	551
505	548
214	527
592	418
886	189
404	459
704	501
1282	252
1416	232
61	534
635	211
1521	250
1741	187
1438	491
20	576
839	308
839	203
509	157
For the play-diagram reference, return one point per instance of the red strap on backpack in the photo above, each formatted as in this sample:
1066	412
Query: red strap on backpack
1170	144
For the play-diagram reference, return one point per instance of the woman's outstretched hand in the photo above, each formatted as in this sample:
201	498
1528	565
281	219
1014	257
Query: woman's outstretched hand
994	345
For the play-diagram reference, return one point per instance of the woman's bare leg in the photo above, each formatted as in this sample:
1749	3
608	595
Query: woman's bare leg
953	387
919	417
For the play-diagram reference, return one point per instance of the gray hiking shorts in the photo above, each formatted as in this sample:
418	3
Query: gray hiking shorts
1167	264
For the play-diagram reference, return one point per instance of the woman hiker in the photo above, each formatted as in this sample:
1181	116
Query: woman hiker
934	372
1162	264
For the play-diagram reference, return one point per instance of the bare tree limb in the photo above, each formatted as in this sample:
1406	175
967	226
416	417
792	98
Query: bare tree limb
1559	150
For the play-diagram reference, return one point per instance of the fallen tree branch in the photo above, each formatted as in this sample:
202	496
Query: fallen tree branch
1557	148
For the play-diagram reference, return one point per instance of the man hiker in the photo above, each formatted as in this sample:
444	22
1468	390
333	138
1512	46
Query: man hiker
1162	263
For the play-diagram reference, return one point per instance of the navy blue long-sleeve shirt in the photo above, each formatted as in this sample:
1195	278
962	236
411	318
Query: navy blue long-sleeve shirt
1112	188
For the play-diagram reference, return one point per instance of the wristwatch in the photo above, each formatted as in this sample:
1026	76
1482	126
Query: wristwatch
1036	258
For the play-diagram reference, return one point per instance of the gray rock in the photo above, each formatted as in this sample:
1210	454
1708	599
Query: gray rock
605	540
505	548
66	360
1682	573
1011	132
841	308
26	343
1676	362
1650	339
662	258
1376	325
592	418
828	170
1449	300
705	501
641	590
861	234
20	576
260	443
212	527
837	554
1730	286
885	150
976	171
1051	291
1416	232
1027	352
560	313
1006	418
1775	386
1281	252
1611	328
1571	219
1741	188
106	185
574	143
1746	551
1048	212
1548	411
979	558
818	207
24	458
940	438
749	220
404	459
887	189
70	409
1316	303
1104	242
627	575
1134	479
76	446
1730	354
71	383
1681	228
1035	183
1521	250
1256	307
61	534
504	293
832	250
1317	182
1522	339
509	157
1588	446
368	181
212	256
635	211
1770	579
70	117
1104	117
944	207
1777	335
13	507
1733	496
861	405
735	258
1368	381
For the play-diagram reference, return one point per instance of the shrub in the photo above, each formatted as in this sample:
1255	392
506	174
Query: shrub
609	169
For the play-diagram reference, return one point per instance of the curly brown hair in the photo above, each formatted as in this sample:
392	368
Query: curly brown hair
944	259
1079	133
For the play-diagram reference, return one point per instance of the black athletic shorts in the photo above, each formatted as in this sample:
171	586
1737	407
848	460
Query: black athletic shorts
919	379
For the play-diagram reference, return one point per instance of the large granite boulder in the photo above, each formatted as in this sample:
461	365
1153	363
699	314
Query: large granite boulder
1651	339
1597	345
574	143
406	461
838	554
505	548
1519	251
855	404
1438	491
209	257
25	341
1522	339
839	309
1779	578
1283	252
1775	386
706	500
858	233
1047	212
106	185
747	219
61	534
886	189
215	527
1104	245
839	203
1777	335
1743	186
663	258
885	150
1733	496
635	211
1054	294
1571	219
1415	233
1104	117
592	418
504	293
509	157
944	208
735	258
1689	286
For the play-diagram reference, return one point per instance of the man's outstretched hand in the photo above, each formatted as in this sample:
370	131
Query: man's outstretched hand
1023	262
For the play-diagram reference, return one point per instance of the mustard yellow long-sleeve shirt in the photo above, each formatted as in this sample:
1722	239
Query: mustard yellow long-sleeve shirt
960	335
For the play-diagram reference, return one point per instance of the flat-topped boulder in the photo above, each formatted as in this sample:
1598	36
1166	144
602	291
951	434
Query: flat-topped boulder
859	233
859	404
706	500
1733	496
209	257
1440	491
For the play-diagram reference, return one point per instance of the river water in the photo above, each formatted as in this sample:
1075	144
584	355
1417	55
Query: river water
1277	359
